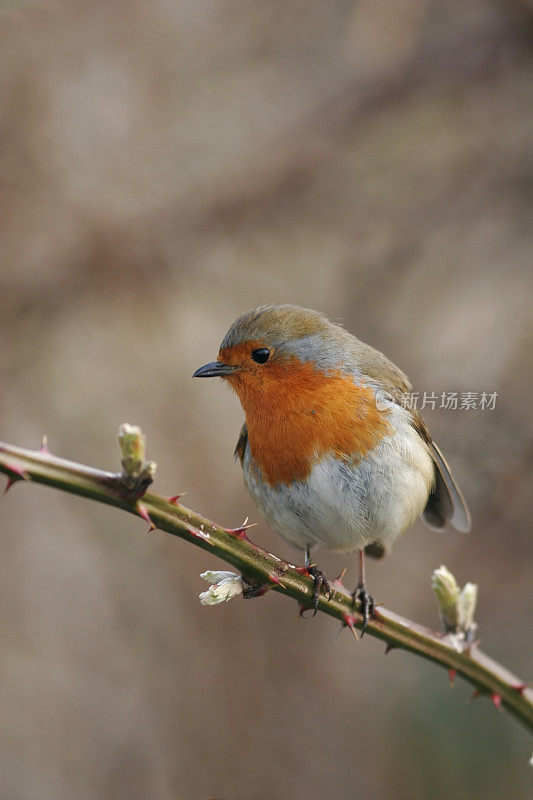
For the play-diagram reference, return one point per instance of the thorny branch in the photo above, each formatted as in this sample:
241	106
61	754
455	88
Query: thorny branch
263	569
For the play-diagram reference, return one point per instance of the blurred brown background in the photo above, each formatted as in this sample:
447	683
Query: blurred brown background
163	167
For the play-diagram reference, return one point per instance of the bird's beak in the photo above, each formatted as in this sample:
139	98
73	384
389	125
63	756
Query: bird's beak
216	369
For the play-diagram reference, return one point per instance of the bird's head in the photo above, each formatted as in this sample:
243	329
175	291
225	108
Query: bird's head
269	346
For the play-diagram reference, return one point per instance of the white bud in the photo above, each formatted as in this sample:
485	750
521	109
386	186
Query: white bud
447	593
466	607
226	586
132	443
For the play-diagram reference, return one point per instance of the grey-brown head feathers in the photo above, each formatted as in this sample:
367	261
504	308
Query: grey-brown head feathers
275	325
296	331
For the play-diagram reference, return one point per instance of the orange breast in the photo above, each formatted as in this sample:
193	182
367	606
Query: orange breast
296	414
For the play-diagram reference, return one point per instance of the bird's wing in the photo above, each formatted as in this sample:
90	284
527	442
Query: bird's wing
241	444
446	502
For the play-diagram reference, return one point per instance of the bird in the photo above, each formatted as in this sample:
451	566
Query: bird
331	452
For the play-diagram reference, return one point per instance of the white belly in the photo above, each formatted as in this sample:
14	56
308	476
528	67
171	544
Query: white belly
347	507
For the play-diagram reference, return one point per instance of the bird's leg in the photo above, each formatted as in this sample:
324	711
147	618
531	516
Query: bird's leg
319	579
360	594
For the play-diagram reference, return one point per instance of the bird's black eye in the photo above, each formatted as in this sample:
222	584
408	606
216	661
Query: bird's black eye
261	355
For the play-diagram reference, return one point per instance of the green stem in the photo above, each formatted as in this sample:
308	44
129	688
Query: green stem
260	567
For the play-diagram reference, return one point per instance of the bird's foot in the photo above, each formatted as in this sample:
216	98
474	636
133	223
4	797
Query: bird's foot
367	604
320	583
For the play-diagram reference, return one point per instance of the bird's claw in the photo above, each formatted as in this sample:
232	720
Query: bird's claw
367	604
320	582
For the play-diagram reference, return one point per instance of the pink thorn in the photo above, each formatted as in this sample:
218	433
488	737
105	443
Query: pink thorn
9	484
44	445
337	583
143	512
174	499
496	701
474	694
349	622
520	687
18	475
240	533
452	673
301	610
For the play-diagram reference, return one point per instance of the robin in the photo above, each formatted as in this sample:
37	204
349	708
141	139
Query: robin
330	452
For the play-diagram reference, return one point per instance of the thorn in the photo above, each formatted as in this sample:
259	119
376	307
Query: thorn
452	673
389	647
496	700
303	608
520	687
240	532
474	694
174	499
18	475
336	639
274	579
44	444
9	484
337	583
143	512
349	622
